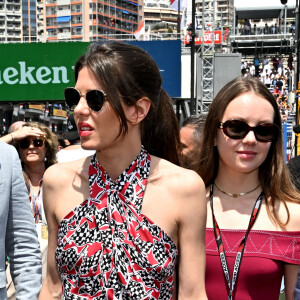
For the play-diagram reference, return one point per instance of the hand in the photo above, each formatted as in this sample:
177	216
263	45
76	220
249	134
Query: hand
26	131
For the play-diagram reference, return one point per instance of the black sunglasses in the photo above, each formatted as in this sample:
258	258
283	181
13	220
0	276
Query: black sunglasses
25	143
236	129
94	98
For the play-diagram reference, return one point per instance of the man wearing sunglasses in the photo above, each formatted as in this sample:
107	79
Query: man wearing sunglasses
18	237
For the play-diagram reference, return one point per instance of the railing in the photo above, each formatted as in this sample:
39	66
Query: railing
98	36
261	33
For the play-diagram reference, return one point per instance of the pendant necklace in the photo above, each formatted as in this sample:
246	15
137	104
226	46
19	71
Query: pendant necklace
235	195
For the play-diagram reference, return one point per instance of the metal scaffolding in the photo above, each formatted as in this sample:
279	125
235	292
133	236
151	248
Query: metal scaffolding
207	57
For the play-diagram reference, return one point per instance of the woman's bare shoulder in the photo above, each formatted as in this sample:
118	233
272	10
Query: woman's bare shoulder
175	177
62	173
294	211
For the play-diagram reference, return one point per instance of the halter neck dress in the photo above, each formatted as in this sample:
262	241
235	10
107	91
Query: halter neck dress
108	249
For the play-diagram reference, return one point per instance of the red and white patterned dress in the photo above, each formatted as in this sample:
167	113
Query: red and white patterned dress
108	249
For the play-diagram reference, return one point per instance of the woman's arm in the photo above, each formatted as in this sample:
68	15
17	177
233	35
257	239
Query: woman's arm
290	279
21	133
52	286
192	224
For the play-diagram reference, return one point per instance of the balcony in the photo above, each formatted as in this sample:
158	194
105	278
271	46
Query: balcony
13	18
258	34
64	12
63	25
64	36
13	11
12	34
13	27
63	2
13	2
249	44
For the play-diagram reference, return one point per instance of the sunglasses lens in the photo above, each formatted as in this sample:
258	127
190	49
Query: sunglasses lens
38	143
236	129
266	132
24	144
72	97
95	100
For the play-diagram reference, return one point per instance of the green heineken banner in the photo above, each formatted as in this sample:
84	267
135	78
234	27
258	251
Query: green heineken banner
41	71
37	71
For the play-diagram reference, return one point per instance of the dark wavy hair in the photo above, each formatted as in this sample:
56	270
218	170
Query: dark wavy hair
127	73
51	142
273	173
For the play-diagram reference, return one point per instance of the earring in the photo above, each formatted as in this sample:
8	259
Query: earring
45	159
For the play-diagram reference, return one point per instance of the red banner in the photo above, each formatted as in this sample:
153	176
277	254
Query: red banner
207	38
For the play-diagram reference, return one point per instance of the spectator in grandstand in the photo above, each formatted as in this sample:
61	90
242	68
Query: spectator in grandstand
292	28
266	29
247	27
276	91
267	68
191	139
253	204
275	63
256	64
267	81
279	84
265	61
252	69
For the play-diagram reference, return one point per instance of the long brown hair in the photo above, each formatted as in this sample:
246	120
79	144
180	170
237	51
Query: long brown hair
127	73
273	173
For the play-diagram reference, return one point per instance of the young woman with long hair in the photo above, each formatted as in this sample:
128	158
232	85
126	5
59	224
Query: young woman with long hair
253	228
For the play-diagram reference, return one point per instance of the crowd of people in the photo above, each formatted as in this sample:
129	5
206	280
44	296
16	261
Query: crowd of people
246	28
146	210
276	74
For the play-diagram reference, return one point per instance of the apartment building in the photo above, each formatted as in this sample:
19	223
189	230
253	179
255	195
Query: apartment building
159	15
91	20
10	21
21	21
33	20
224	12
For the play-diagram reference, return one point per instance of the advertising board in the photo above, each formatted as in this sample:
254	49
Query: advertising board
41	71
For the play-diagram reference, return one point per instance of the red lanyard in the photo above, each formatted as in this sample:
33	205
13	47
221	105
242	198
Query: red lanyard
242	245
